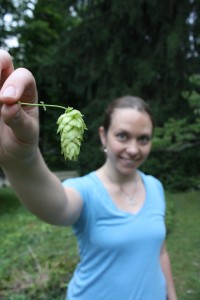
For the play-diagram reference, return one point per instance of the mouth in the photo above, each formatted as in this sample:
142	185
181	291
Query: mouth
129	162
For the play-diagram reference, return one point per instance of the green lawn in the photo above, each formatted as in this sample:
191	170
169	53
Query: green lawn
37	260
184	245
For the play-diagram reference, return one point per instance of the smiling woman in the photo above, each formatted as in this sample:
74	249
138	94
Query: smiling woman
123	212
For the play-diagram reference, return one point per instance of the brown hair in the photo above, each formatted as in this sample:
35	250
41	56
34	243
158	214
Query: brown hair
126	102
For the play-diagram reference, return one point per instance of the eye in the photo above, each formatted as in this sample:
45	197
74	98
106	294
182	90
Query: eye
144	139
122	136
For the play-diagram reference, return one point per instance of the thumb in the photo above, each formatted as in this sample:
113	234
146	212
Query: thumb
10	113
24	126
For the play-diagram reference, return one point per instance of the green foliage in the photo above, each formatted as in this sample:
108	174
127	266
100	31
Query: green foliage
37	260
176	135
183	245
179	171
170	212
177	141
193	96
9	201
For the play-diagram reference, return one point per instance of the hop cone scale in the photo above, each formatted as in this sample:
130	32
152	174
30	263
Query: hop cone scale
71	128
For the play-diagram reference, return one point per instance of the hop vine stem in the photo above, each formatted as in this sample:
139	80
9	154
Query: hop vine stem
42	104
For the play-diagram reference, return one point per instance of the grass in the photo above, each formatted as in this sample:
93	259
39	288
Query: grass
184	245
37	259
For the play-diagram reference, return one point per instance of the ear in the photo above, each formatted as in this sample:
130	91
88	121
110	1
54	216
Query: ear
102	135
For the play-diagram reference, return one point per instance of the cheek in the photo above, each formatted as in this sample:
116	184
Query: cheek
113	149
115	146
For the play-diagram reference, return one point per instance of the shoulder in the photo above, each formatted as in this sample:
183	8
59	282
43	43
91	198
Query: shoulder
82	184
152	183
150	179
77	191
87	188
85	179
155	190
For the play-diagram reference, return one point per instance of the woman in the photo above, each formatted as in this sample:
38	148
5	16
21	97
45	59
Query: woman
117	212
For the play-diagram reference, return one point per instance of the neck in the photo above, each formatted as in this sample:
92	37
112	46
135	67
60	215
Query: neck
126	186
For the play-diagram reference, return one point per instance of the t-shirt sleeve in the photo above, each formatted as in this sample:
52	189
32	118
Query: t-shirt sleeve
77	184
80	184
156	191
162	194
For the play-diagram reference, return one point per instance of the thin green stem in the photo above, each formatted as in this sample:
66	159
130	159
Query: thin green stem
42	104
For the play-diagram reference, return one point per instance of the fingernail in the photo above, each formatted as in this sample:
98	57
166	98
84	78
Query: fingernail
9	91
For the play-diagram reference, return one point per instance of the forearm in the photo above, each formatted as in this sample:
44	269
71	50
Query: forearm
166	267
171	294
38	189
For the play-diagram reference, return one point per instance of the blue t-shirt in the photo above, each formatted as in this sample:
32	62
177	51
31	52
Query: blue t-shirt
119	251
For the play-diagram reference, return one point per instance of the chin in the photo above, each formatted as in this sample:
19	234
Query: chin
129	167
127	171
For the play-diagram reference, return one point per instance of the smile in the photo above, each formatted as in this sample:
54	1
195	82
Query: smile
129	161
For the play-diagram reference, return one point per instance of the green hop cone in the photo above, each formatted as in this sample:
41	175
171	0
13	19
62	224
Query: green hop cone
71	127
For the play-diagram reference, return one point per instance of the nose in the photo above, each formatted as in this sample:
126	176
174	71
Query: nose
132	148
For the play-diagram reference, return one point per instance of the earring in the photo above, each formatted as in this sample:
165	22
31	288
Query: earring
104	149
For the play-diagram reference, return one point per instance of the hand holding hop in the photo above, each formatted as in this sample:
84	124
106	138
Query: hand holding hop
71	127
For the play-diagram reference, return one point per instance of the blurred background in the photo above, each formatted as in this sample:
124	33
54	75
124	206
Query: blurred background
86	53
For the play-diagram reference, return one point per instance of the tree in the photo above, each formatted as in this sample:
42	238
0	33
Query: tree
132	47
97	50
178	135
6	12
178	142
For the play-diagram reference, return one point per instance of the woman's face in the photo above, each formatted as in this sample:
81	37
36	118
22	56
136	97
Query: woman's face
128	140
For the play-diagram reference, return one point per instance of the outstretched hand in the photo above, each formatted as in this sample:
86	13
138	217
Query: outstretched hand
19	128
